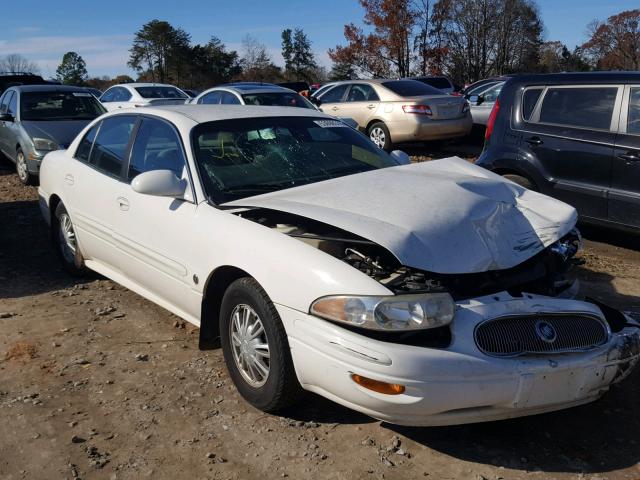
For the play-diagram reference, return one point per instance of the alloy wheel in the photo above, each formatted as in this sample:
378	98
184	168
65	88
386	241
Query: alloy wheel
67	238
249	345
378	136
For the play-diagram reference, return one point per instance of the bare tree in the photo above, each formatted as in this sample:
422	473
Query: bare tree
15	62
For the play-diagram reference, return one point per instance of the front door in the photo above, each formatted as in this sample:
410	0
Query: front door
152	232
624	197
571	137
332	101
6	126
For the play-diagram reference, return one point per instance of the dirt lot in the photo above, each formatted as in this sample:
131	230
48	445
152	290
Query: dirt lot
96	382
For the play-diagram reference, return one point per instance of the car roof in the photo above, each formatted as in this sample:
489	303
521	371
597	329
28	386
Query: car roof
143	84
211	113
48	88
257	88
577	77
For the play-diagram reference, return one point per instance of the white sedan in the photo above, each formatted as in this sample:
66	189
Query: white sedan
422	294
127	95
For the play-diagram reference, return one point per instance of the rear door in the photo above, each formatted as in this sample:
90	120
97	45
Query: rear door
360	103
624	197
5	126
570	137
333	100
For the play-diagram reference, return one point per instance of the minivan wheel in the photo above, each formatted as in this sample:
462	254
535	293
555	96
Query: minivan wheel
379	134
21	169
255	347
520	180
66	243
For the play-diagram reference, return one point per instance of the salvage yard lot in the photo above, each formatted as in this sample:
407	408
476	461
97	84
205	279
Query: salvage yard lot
96	382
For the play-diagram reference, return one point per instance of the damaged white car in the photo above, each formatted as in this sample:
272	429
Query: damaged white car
426	294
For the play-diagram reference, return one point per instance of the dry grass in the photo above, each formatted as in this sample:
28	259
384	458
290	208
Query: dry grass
21	350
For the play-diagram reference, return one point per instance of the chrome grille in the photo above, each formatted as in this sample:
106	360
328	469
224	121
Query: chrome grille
540	334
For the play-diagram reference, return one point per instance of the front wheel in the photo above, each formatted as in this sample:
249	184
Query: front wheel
255	348
21	169
66	243
379	134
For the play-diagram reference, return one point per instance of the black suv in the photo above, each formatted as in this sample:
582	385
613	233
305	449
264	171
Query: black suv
573	136
13	79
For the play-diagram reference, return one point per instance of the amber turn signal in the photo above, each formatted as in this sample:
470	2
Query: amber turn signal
377	386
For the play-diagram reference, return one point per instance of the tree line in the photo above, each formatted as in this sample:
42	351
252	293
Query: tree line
473	39
464	39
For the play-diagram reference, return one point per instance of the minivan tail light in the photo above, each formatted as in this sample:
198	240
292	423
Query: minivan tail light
492	120
419	109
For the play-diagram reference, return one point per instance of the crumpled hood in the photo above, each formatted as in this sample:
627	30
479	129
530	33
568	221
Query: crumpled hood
60	131
443	216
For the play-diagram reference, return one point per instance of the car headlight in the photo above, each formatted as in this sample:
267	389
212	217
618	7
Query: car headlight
44	144
399	313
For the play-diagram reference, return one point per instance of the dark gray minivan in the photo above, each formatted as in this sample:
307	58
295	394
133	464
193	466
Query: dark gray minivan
573	136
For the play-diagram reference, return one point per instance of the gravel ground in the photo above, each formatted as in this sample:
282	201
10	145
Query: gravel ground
96	382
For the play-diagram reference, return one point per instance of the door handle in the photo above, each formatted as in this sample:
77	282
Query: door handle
68	179
371	107
123	203
534	141
335	109
629	157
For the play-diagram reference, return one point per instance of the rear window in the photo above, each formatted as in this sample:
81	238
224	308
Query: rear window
160	92
58	105
410	88
282	99
529	100
589	107
436	82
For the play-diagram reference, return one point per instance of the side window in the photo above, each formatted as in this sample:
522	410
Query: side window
229	99
633	115
491	95
157	147
13	105
110	145
6	98
124	95
108	95
590	107
362	93
212	98
529	101
335	94
84	149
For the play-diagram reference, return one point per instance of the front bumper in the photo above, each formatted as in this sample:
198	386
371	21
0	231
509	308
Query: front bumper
458	384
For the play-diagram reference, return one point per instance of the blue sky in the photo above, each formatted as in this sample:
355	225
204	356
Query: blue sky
102	31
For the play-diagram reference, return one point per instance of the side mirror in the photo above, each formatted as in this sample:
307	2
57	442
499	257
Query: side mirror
401	157
160	183
6	117
316	101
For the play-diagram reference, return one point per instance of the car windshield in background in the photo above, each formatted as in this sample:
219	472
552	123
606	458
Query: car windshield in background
282	99
160	92
410	88
48	106
436	82
245	157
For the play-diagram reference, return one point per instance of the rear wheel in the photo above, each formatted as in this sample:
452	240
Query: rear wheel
520	180
255	347
21	169
66	243
379	134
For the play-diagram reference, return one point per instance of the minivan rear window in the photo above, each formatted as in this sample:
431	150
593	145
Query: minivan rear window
583	107
410	88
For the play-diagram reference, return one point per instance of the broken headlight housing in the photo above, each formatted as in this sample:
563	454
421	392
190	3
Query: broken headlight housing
389	313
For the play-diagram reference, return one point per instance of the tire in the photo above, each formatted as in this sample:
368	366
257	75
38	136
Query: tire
520	180
65	245
21	169
278	388
379	134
